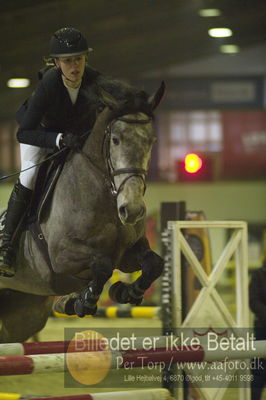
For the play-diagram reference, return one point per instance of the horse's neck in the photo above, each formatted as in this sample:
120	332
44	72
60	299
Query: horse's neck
93	145
82	167
79	171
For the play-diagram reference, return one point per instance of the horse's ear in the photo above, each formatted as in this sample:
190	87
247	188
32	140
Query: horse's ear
155	99
108	99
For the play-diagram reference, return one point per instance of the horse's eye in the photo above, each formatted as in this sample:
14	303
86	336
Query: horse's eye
100	108
115	140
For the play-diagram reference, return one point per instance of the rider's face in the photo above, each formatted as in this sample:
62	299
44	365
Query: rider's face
72	67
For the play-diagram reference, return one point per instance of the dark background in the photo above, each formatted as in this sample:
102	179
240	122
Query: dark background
131	39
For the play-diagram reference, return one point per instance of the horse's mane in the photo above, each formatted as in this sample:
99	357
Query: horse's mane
129	98
118	95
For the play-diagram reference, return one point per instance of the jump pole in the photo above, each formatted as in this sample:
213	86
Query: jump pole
30	348
148	394
119	312
46	363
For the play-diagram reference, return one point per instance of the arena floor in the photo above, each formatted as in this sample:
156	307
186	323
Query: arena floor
53	383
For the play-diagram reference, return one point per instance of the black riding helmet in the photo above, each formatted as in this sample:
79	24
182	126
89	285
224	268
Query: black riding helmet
68	42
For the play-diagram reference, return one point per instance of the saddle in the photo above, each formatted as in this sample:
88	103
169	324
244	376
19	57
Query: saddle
47	178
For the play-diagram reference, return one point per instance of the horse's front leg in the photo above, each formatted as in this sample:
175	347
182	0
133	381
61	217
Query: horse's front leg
151	266
86	303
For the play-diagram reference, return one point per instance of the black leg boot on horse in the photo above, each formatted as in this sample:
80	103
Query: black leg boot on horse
17	205
152	267
102	270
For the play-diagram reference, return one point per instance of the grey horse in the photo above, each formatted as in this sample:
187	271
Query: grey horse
93	223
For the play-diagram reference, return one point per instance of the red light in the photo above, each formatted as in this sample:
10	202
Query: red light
193	163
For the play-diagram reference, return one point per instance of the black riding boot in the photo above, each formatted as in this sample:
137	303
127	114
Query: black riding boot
17	205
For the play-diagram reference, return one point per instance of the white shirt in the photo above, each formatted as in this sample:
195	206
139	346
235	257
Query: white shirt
73	93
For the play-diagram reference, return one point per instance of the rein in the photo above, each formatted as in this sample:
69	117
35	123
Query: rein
51	157
112	172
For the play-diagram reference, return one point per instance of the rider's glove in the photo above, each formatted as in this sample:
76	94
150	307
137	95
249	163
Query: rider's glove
71	141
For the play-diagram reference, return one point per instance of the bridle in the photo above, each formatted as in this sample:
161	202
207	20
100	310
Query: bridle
112	172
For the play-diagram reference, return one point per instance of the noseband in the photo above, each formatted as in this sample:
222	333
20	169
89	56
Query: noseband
112	172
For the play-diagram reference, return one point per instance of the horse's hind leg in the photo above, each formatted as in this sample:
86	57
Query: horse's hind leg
102	270
22	315
85	302
151	265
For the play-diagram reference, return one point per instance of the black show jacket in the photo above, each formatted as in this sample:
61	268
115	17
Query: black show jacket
50	111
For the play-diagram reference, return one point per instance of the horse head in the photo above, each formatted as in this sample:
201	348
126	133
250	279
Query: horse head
126	148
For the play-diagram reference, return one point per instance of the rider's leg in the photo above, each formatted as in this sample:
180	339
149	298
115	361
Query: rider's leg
18	202
17	205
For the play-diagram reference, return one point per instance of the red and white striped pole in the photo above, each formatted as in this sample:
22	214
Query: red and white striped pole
148	394
20	349
68	346
45	363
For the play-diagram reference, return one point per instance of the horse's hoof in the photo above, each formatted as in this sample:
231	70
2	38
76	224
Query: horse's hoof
134	301
123	293
65	304
91	310
118	292
135	295
70	307
81	310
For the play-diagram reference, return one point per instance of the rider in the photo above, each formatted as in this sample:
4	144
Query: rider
63	102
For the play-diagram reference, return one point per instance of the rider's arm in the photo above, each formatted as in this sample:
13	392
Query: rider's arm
30	130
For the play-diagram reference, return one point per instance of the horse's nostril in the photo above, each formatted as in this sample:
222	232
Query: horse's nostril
123	212
130	215
142	212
